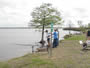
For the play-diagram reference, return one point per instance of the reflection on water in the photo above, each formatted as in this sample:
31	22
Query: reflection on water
16	42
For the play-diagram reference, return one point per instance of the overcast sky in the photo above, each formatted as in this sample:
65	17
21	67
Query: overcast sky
17	12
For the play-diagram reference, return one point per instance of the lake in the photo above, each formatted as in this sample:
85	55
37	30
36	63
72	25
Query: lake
16	42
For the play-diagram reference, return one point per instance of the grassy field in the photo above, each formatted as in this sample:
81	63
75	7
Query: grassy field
69	54
77	37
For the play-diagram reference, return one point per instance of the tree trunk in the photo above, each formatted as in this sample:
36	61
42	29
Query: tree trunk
42	39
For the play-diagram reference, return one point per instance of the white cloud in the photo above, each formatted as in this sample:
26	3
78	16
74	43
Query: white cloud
17	12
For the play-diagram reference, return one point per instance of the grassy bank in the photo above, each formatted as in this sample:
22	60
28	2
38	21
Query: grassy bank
77	37
68	54
28	61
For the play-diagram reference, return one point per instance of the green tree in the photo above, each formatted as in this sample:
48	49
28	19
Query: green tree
43	16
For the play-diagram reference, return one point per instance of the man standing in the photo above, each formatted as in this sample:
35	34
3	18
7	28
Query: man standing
55	41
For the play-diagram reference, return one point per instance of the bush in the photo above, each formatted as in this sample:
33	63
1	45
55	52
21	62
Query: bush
67	36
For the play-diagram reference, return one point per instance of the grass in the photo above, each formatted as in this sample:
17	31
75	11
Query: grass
28	61
4	65
68	54
76	37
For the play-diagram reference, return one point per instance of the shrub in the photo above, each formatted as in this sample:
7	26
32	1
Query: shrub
67	36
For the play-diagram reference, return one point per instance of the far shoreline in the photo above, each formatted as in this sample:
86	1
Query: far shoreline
24	27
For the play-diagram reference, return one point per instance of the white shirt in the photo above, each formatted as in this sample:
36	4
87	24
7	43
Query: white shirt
47	35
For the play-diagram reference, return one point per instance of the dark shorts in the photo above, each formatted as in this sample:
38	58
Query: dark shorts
48	39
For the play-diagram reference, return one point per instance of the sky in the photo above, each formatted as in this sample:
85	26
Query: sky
16	13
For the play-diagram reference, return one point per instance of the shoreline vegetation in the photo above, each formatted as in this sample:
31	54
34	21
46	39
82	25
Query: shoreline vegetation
75	28
68	54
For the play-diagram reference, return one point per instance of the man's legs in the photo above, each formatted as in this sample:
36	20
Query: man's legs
54	43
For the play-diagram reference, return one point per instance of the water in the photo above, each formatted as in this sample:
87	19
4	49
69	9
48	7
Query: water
16	42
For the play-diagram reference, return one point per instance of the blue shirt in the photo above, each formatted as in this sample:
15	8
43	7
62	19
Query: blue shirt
55	35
